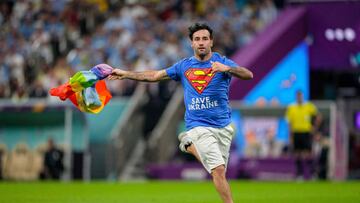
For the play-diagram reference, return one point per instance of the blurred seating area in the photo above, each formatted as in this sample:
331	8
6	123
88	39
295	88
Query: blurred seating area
42	43
22	163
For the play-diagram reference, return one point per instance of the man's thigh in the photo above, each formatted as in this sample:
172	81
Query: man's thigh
205	147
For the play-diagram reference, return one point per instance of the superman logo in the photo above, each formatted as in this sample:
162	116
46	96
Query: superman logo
199	78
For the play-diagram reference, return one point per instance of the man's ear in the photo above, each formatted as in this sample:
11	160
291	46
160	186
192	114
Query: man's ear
191	43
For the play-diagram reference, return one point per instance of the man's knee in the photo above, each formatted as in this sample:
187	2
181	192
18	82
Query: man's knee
190	148
218	172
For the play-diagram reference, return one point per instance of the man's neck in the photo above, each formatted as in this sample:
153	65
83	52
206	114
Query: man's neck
205	58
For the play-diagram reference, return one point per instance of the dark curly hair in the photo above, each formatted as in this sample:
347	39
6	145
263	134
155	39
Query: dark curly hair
199	26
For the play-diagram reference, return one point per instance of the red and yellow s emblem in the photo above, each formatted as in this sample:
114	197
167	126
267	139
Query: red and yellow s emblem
199	78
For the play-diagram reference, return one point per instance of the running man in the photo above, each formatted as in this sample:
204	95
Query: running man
205	78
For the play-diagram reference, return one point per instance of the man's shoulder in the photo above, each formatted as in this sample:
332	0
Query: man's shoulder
218	56
183	62
187	59
292	105
293	108
310	105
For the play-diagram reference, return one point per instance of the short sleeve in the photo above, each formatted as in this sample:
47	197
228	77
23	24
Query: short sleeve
313	109
230	62
174	71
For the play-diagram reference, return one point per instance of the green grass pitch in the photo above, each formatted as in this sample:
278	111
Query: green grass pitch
177	192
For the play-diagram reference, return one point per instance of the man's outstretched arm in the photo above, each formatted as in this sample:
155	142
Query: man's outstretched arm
239	72
145	76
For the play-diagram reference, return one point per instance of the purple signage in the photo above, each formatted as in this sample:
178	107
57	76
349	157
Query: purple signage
357	120
335	31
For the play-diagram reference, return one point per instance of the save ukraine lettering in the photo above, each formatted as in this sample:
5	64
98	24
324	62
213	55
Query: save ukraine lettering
199	103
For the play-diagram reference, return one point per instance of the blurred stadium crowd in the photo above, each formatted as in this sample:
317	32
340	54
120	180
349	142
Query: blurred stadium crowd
42	43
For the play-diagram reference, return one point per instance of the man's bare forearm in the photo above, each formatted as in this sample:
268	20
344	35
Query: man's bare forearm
146	76
241	73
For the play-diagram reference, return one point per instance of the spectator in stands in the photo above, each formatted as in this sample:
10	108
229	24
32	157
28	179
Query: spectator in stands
206	79
304	120
20	96
37	90
4	91
53	161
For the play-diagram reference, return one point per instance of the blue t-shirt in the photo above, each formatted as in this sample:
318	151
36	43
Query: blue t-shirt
206	94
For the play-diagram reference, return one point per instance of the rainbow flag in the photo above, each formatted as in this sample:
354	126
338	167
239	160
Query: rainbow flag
86	89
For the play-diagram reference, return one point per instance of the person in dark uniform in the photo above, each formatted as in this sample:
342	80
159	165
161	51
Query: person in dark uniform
53	161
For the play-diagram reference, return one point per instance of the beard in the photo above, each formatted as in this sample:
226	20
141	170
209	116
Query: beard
202	54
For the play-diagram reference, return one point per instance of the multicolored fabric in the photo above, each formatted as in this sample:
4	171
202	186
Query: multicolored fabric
86	89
